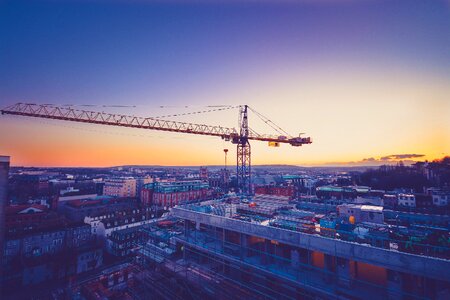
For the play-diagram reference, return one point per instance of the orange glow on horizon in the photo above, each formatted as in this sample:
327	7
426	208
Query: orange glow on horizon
351	118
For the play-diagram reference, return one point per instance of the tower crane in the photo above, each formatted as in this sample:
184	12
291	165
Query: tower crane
240	138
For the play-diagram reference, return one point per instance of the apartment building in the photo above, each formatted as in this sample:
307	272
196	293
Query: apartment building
120	187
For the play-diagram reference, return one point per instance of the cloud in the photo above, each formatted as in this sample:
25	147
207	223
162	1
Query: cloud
370	159
400	156
407	159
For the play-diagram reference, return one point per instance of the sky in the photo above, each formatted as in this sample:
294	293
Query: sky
368	81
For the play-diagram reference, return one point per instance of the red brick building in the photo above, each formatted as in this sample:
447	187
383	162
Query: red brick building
169	194
288	191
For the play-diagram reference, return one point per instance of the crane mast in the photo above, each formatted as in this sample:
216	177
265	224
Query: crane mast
241	138
243	167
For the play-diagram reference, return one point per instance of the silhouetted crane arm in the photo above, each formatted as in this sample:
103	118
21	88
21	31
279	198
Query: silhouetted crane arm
47	111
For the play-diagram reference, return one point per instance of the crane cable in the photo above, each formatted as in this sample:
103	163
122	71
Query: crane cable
217	108
254	133
214	108
196	112
132	106
270	123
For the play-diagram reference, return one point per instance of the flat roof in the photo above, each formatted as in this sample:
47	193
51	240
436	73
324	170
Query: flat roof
372	208
4	158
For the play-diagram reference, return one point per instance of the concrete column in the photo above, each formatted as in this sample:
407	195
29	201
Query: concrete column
438	289
344	277
329	270
328	262
394	284
244	246
265	255
223	240
308	257
295	258
306	265
186	228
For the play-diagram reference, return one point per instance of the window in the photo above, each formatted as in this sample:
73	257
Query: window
36	252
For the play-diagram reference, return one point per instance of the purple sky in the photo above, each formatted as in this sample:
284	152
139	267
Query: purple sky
319	58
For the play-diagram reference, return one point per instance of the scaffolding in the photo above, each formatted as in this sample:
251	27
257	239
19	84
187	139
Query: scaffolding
184	272
209	262
268	269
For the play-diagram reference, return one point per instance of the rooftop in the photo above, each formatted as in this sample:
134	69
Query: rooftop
4	159
372	208
97	200
25	208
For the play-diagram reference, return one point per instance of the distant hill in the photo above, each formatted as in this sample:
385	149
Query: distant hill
274	167
278	167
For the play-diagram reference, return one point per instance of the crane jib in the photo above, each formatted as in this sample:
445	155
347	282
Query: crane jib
241	138
101	118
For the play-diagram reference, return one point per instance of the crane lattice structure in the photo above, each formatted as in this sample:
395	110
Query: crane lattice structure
241	138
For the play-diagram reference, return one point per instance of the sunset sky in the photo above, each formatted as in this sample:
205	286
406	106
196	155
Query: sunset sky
367	80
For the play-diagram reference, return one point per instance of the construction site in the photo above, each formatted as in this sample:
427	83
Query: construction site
246	246
265	248
226	149
229	248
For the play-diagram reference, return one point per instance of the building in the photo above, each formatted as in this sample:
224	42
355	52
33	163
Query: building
99	187
303	183
265	179
407	200
140	183
336	192
390	200
165	194
88	258
43	254
114	283
203	174
280	263
104	225
4	171
361	213
411	217
28	186
370	200
424	201
77	209
288	191
441	198
120	187
224	177
26	219
121	242
66	198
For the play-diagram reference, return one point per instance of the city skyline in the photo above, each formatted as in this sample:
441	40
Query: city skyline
364	79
